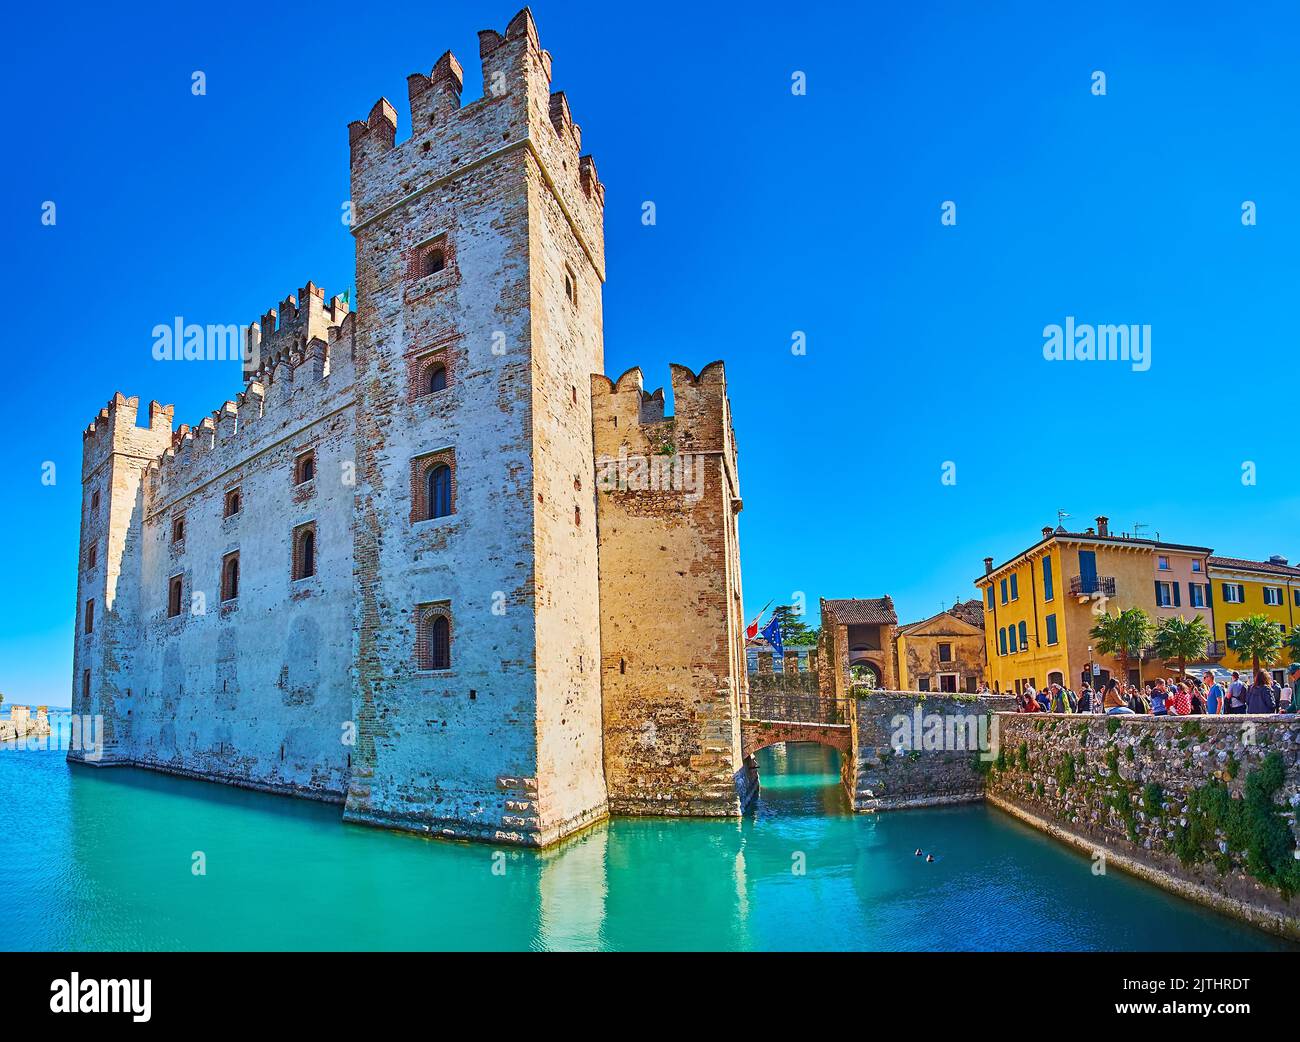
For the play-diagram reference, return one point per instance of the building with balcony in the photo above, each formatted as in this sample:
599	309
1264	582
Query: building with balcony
1242	588
1040	606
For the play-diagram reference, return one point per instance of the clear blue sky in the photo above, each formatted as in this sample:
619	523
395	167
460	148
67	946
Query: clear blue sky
776	213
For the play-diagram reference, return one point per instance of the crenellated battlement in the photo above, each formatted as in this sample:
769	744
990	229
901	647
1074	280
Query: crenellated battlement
116	429
625	415
308	383
517	110
288	330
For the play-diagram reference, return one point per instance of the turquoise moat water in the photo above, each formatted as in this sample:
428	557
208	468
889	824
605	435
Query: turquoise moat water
102	860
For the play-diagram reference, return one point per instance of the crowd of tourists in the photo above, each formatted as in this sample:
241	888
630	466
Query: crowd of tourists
1171	696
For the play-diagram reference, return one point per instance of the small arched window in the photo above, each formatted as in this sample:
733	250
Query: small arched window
230	578
304	552
178	530
437	491
94	501
439	643
174	597
436	379
304	468
432	261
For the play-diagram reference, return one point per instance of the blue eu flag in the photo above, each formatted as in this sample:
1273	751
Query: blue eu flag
772	634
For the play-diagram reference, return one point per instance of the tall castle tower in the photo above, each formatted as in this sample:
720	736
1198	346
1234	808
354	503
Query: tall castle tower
115	451
480	261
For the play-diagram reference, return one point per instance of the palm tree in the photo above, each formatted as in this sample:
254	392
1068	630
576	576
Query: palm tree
1179	639
1293	644
1123	635
1259	638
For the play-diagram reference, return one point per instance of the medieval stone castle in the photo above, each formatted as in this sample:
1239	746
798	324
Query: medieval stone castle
387	574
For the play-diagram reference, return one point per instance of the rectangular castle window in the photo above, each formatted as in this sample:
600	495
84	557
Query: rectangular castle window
90	617
234	502
85	684
92	555
178	529
175	587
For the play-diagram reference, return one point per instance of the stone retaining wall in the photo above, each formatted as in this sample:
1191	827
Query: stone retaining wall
919	749
1203	806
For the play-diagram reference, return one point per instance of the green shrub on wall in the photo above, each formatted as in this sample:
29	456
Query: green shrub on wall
1253	825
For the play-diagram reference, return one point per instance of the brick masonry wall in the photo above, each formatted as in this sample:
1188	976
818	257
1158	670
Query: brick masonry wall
1169	799
933	767
672	660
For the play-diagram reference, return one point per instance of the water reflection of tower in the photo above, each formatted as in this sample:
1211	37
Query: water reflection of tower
572	886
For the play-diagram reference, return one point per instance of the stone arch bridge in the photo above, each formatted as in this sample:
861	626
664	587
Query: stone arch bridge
877	773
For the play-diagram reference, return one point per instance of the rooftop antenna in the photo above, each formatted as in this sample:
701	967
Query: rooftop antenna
1137	530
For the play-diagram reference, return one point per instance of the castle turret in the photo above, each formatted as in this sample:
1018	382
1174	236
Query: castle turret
672	626
115	454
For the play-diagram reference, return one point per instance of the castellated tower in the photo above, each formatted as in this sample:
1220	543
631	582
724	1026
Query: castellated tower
115	451
480	261
671	614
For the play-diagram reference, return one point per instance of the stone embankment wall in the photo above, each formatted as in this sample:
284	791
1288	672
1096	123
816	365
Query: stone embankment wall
22	723
919	749
1203	806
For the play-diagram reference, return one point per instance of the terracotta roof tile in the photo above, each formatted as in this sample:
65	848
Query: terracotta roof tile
1272	567
875	611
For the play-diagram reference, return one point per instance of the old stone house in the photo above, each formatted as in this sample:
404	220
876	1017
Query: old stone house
430	564
857	643
944	652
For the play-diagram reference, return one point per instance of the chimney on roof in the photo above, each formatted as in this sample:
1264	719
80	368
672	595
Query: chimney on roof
988	565
1277	559
1103	526
1090	531
1047	530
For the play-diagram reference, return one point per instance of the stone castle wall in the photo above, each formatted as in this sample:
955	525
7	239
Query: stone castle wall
928	767
672	656
251	689
1203	806
480	252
